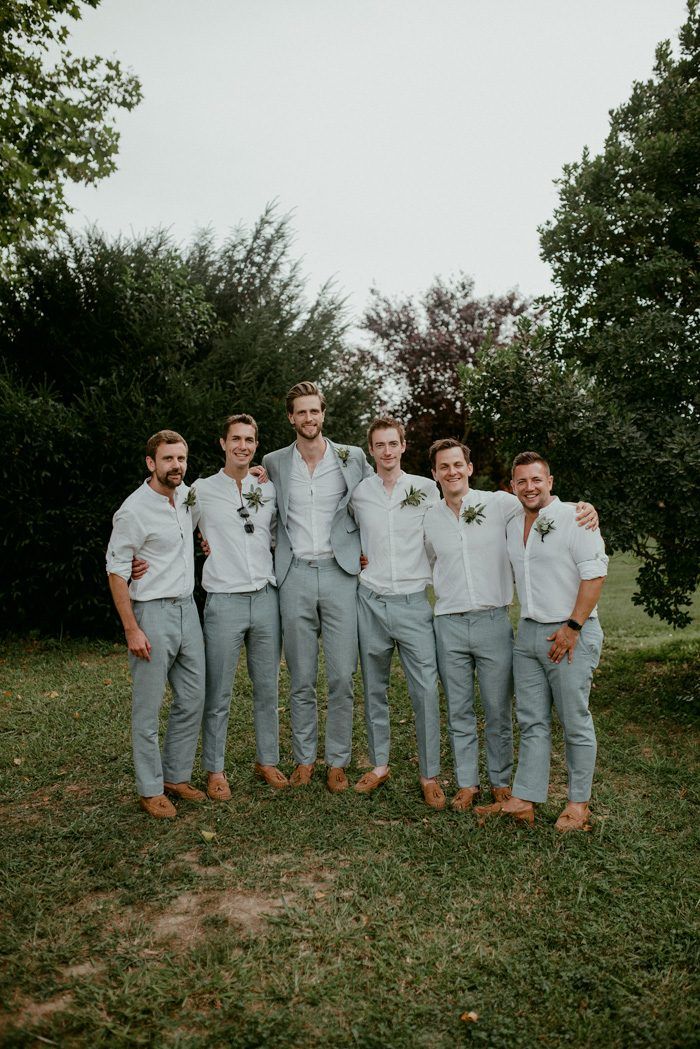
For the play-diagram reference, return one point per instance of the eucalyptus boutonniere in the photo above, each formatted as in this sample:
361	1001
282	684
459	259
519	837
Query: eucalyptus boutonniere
343	455
543	526
413	497
191	499
473	514
254	499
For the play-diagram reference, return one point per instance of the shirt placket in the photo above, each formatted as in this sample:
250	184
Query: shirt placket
462	528
183	549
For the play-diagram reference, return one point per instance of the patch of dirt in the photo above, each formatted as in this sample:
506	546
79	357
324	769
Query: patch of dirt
184	921
191	860
29	1012
89	968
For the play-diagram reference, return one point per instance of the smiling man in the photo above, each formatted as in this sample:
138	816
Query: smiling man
161	623
317	561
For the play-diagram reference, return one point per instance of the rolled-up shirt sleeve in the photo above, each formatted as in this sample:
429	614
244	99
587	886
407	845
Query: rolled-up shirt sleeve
125	542
588	551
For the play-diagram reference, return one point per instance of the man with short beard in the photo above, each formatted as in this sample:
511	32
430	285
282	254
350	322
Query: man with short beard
161	624
317	561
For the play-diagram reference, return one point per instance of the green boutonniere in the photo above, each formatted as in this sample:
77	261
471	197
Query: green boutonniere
191	499
473	514
544	525
413	497
343	455
254	498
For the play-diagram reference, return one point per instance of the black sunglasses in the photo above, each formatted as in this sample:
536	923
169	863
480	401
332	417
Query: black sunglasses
248	526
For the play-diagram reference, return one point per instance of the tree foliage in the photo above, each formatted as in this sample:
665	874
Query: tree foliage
55	112
105	342
418	347
610	389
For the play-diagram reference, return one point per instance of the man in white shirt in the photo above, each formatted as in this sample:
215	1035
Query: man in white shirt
237	519
465	538
559	574
161	623
317	560
392	606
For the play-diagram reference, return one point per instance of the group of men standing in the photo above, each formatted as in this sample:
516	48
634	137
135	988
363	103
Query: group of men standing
330	519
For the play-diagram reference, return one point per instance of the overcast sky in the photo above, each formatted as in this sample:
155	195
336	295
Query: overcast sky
409	137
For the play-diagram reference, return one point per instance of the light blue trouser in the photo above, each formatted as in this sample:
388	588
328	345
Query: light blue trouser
229	621
317	598
478	642
404	620
538	683
177	656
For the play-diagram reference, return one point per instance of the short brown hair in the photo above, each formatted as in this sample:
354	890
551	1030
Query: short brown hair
526	458
386	422
163	437
242	417
304	389
445	443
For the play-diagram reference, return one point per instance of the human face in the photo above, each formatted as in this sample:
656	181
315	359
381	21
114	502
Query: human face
239	446
169	466
307	417
386	449
452	472
532	483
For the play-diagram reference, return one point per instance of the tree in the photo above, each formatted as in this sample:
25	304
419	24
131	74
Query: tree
54	116
418	347
610	390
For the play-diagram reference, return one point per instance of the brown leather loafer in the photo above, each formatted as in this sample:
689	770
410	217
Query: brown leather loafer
500	793
272	776
301	777
433	794
573	820
464	798
524	815
159	807
336	780
185	791
370	781
218	789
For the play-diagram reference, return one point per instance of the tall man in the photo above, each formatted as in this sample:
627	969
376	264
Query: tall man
317	559
237	517
466	540
559	574
393	608
161	623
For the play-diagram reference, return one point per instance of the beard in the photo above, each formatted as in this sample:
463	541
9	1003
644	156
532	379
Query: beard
170	479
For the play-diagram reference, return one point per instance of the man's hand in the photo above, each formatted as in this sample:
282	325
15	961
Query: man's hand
587	515
259	473
564	643
139	567
137	643
363	562
206	549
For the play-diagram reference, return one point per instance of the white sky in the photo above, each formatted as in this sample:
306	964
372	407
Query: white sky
409	137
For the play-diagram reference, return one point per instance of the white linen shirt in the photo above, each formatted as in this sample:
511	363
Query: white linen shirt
313	501
239	561
147	525
392	534
471	569
548	569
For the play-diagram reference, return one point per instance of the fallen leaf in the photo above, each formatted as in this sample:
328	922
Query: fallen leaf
208	835
7	693
319	896
107	681
51	695
470	1017
16	761
76	714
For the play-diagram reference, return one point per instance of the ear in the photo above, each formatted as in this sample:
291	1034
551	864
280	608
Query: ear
512	487
150	463
222	442
470	468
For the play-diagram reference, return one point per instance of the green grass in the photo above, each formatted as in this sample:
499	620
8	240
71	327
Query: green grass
313	919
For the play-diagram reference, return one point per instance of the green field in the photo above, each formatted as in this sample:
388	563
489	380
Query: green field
309	919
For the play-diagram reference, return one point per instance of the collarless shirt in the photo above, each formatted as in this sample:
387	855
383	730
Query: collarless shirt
148	525
239	561
392	533
313	501
550	566
471	569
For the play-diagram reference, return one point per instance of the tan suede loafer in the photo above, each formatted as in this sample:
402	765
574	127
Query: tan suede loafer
569	820
464	798
433	794
336	780
370	781
218	789
272	776
523	815
301	777
185	791
500	793
159	807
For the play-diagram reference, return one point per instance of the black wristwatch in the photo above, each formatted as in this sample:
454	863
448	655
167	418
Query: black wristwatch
573	625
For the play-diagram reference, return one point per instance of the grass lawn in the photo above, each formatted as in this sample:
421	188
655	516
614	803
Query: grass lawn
305	919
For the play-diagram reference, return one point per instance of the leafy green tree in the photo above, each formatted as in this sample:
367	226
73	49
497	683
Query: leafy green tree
610	390
55	113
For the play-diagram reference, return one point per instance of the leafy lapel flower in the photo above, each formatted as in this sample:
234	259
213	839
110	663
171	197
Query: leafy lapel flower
472	514
343	455
543	526
254	499
413	497
191	499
